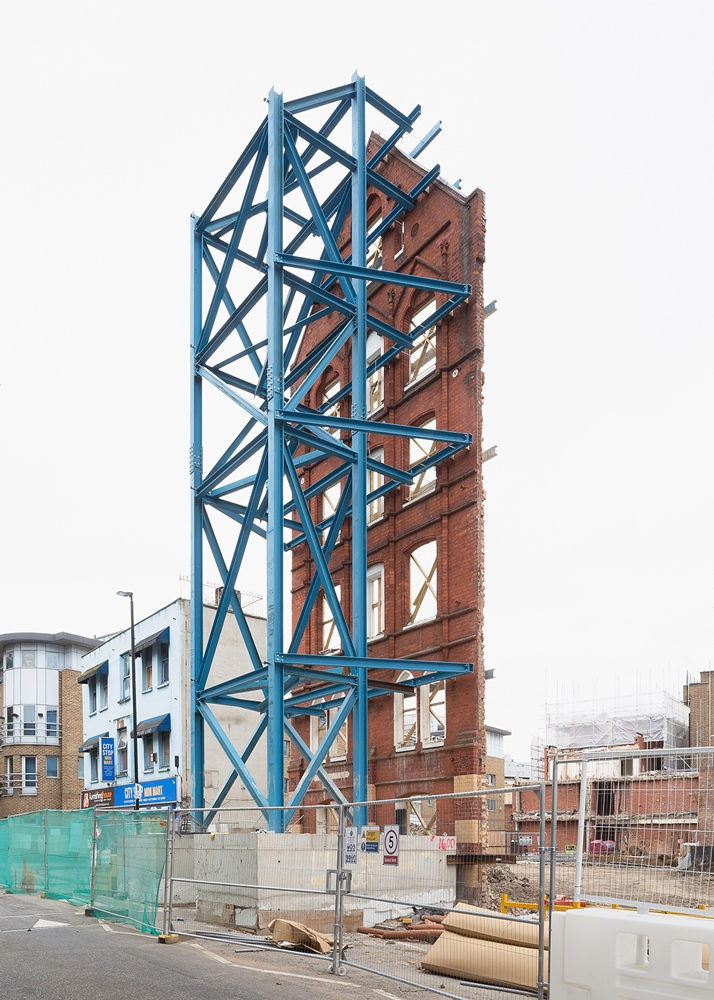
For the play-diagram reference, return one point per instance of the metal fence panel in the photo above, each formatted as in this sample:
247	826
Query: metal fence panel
637	825
381	892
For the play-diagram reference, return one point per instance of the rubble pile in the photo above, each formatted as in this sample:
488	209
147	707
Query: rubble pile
502	878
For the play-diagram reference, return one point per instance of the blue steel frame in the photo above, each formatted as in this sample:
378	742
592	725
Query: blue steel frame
297	291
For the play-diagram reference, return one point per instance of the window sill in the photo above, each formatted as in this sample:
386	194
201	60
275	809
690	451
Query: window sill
432	745
92	713
425	492
378	413
123	701
162	685
104	708
52	777
166	768
375	520
147	690
148	770
28	791
408	749
422	621
419	378
375	638
122	774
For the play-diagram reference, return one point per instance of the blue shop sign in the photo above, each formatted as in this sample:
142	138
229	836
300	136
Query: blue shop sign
106	751
152	793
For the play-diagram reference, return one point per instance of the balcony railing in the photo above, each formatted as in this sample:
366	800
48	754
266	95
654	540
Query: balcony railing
39	732
12	784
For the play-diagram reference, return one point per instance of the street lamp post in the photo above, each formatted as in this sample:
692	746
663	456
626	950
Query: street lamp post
130	595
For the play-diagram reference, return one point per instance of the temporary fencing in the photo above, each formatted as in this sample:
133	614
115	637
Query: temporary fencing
410	906
110	862
633	828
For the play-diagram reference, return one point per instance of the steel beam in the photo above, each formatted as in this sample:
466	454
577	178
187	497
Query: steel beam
261	334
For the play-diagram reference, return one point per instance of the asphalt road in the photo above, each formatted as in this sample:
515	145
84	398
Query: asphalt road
49	950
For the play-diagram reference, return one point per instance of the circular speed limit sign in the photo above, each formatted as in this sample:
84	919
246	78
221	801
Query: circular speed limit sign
391	845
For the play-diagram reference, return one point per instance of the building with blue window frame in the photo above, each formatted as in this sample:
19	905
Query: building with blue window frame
162	651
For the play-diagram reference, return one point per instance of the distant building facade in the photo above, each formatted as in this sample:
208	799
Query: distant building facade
645	804
162	648
41	729
698	695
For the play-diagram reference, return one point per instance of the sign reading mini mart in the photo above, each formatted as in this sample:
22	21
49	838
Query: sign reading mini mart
391	845
153	793
369	840
350	845
106	752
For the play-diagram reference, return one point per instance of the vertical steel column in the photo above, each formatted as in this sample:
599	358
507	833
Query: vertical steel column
541	893
197	735
274	380
359	444
581	830
553	841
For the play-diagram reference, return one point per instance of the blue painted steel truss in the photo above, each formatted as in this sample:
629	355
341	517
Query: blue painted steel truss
253	295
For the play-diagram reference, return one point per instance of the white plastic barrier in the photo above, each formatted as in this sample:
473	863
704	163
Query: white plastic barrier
617	955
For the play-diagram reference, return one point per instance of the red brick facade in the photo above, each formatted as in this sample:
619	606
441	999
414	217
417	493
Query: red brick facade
442	236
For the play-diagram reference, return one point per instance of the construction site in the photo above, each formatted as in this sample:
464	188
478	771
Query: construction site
362	818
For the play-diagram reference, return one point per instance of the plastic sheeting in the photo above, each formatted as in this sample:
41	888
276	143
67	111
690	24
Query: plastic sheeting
600	723
51	852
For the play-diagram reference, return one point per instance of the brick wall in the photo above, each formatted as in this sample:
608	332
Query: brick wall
63	791
699	698
444	237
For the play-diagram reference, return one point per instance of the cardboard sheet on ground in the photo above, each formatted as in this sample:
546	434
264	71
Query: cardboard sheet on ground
300	936
477	946
484	961
474	922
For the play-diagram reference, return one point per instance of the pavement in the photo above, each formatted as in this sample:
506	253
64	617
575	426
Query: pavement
49	950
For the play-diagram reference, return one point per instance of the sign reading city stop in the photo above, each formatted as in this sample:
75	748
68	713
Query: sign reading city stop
391	845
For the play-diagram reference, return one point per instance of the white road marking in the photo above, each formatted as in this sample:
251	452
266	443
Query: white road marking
296	975
49	923
384	994
113	930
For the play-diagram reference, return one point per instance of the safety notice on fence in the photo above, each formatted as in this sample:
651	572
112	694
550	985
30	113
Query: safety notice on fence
391	845
350	845
369	840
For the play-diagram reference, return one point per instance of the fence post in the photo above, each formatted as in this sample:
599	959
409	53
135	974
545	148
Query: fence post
168	866
94	859
46	869
541	893
581	830
174	827
339	864
553	842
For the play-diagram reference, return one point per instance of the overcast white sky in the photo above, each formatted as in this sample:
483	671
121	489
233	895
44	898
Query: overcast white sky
588	125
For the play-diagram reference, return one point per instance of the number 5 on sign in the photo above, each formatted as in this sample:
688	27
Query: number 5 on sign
391	845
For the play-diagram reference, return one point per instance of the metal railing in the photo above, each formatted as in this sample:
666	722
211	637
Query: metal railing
39	732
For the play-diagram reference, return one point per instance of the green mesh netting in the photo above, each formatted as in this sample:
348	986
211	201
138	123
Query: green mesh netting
51	852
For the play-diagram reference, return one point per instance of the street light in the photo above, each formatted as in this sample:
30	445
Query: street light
130	595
